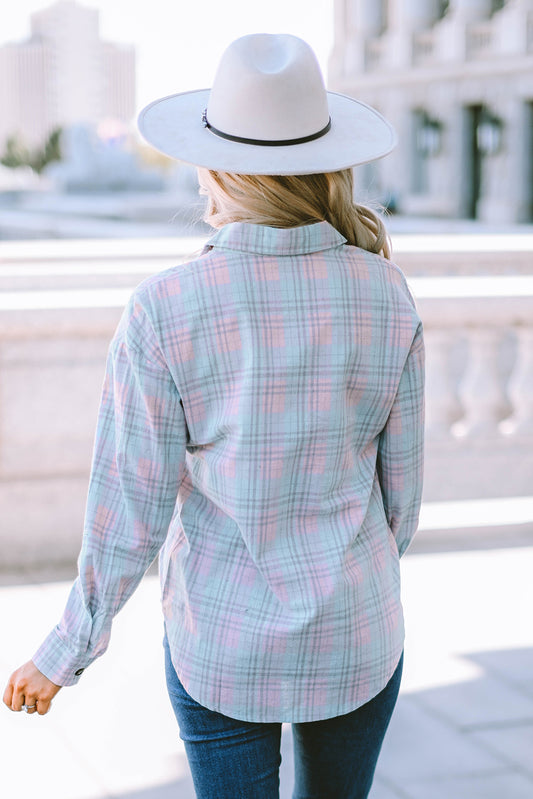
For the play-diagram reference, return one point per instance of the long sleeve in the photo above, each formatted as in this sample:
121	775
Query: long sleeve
401	449
138	463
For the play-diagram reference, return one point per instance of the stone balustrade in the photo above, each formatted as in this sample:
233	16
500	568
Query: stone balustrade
479	395
423	46
375	53
58	311
419	34
479	40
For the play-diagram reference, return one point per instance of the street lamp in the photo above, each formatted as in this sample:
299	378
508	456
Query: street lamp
489	133
429	136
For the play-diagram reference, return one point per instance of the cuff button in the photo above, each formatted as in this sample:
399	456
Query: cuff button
80	671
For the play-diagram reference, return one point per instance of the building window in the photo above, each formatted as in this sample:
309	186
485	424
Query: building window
472	161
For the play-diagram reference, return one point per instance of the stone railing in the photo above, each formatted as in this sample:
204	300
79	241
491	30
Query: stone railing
479	375
58	311
479	40
375	53
423	46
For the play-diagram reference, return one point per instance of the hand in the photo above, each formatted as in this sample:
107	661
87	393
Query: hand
28	686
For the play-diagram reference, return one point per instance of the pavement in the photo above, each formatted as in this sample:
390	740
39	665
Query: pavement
462	728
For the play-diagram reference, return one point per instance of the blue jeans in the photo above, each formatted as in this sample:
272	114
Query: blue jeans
230	759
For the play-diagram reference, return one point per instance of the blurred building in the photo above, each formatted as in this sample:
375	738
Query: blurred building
456	80
64	75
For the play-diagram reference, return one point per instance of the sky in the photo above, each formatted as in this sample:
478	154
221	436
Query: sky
179	43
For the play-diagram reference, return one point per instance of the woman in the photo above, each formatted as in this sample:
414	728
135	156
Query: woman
261	428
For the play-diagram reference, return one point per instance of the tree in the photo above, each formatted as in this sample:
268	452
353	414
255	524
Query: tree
17	154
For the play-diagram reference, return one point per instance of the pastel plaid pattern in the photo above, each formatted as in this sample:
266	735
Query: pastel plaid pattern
261	428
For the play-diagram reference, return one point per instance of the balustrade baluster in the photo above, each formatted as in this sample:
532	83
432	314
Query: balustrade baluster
481	390
521	386
441	400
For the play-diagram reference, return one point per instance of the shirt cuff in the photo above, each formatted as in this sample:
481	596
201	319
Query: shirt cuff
56	661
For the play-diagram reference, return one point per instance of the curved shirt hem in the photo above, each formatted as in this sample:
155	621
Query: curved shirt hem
290	716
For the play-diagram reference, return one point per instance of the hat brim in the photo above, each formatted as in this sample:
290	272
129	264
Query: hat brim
358	135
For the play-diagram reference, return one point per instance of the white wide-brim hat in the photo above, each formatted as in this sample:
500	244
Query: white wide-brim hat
267	113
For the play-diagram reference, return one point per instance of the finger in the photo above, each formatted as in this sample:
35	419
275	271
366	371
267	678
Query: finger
31	704
18	698
8	695
43	706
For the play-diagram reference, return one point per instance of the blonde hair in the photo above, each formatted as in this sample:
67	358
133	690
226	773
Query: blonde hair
291	201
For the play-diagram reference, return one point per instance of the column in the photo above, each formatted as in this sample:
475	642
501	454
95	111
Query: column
420	14
353	38
371	17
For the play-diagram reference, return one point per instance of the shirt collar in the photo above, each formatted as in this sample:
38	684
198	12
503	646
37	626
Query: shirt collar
248	237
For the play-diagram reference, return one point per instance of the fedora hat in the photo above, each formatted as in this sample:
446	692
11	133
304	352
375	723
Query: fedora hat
267	113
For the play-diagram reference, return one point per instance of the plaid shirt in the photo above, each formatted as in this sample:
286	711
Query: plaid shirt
261	428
